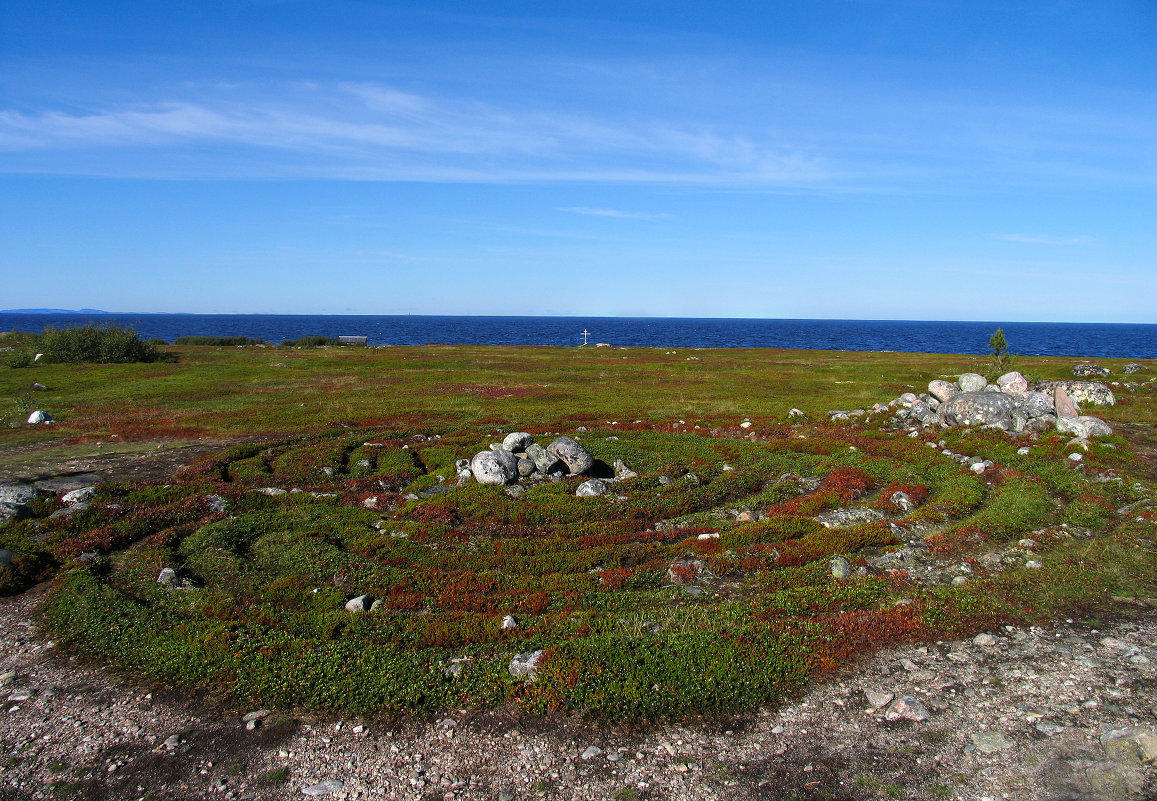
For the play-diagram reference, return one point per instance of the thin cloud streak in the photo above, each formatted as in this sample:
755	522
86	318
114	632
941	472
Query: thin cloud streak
360	131
628	215
1046	240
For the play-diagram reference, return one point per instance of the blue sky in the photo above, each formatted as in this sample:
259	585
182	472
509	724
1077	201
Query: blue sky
876	159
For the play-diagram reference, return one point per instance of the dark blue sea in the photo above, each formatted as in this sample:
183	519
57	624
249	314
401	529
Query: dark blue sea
1130	341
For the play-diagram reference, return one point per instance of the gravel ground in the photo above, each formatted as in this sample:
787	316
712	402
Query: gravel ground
1060	713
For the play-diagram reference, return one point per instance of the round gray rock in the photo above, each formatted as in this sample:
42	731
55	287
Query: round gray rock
16	494
1038	404
591	488
578	459
517	442
363	603
972	382
494	467
840	568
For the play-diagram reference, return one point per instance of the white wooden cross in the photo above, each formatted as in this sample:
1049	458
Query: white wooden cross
586	334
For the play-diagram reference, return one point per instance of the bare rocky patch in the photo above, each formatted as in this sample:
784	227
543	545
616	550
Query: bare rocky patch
1031	714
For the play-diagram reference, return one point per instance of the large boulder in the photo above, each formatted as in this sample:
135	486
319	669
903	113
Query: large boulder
1038	404
1063	404
543	459
1084	426
1092	393
942	390
14	499
494	467
1087	370
850	516
1013	383
16	494
577	458
591	488
972	382
517	441
979	409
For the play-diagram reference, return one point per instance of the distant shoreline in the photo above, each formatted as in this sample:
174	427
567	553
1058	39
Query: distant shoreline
1077	340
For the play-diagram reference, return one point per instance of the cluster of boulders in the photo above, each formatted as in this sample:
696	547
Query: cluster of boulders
75	496
518	457
1010	405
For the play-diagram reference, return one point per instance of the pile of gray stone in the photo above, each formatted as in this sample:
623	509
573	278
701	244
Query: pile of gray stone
1009	405
518	457
75	492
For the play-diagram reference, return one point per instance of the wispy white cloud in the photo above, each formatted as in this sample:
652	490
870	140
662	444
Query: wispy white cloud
374	132
1029	239
630	215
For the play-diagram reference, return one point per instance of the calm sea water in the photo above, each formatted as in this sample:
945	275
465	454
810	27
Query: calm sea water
1028	339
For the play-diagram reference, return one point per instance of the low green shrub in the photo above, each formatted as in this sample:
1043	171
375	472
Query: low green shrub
311	341
219	341
109	344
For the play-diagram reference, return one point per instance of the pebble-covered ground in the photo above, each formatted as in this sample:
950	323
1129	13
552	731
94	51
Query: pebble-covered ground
1046	713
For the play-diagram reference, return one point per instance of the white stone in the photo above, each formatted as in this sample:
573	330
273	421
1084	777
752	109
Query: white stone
81	495
362	603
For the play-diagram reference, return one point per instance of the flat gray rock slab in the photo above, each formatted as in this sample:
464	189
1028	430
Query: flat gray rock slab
326	787
75	481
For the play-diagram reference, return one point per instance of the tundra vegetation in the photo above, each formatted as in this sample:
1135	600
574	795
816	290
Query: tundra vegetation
700	587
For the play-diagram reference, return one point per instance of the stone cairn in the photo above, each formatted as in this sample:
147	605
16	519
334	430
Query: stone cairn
1009	405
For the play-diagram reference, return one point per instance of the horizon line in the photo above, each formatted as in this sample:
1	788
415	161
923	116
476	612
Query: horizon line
100	312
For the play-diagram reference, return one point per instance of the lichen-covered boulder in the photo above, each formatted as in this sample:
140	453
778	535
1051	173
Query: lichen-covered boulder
591	488
622	472
979	409
842	518
1038	404
517	441
972	382
1087	370
494	467
362	603
942	390
1041	424
1092	393
1084	426
524	665
17	494
543	459
578	459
